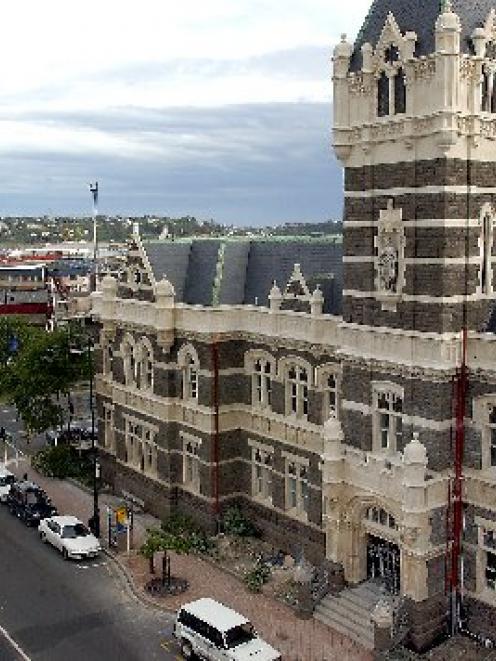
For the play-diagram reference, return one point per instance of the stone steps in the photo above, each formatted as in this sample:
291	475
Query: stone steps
350	613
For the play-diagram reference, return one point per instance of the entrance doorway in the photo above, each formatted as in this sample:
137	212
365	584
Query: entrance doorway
383	563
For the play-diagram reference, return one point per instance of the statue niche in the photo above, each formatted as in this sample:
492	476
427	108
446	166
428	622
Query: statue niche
389	244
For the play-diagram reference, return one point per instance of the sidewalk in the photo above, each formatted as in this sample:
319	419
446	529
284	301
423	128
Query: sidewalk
298	640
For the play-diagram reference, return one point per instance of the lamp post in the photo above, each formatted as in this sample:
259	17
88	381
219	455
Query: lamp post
94	451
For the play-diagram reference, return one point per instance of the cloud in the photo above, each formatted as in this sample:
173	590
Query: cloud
252	163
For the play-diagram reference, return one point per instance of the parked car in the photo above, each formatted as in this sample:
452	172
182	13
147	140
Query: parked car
7	479
29	502
70	536
207	629
78	436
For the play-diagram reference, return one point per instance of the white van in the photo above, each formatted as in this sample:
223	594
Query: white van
7	479
209	630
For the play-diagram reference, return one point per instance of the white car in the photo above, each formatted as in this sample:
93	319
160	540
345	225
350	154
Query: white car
70	536
7	479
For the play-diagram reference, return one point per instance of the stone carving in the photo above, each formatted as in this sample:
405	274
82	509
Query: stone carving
297	286
358	85
424	69
468	69
390	242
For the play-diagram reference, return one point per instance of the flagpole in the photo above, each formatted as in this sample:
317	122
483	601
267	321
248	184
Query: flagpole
94	193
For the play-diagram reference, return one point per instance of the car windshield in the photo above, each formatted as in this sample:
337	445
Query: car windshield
74	531
240	634
6	479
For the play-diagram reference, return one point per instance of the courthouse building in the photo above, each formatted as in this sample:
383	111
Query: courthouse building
313	383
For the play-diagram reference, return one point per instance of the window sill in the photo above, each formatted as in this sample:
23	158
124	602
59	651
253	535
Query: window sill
297	514
262	501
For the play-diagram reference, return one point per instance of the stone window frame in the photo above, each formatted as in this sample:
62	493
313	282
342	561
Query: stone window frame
191	461
109	427
144	364
380	432
323	373
486	548
189	364
296	481
261	381
107	357
376	515
262	471
485	242
388	67
128	353
296	390
482	407
140	444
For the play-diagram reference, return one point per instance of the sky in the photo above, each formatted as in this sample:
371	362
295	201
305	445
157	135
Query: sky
218	109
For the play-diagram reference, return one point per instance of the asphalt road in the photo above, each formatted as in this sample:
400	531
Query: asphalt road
58	610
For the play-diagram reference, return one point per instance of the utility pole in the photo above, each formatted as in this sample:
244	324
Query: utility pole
94	192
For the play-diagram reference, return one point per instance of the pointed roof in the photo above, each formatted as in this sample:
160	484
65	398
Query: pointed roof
419	16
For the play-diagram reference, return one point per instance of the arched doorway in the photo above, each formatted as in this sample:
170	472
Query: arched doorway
383	552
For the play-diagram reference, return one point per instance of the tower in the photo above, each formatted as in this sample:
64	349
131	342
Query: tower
415	129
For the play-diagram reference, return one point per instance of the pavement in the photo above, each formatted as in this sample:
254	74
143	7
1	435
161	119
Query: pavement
297	639
55	610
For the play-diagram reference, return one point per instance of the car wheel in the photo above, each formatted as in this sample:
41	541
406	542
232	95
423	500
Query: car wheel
186	649
43	537
65	554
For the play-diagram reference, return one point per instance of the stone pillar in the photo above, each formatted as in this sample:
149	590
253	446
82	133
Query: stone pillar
317	302
275	298
164	309
448	30
382	619
332	478
341	105
109	297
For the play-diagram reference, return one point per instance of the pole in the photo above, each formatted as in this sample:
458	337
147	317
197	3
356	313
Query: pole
94	193
96	510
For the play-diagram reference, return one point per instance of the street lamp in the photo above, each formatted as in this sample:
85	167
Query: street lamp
94	522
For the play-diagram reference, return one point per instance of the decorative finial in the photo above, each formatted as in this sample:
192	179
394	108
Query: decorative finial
446	7
343	37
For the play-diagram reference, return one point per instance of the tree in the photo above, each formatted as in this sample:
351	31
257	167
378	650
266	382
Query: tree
160	540
37	369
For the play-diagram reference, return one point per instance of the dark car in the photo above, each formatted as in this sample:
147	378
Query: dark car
29	502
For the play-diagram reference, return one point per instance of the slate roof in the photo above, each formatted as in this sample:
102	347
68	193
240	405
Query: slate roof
419	16
247	268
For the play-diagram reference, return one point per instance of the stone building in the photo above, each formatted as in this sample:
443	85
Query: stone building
326	412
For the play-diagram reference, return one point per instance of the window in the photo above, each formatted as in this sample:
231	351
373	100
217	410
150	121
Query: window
190	378
391	84
486	247
144	366
487	554
330	397
297	391
129	360
140	447
261	383
297	493
191	462
388	420
380	517
491	435
108	420
262	466
108	359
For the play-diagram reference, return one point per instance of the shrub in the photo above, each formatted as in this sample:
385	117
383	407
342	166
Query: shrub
256	577
235	523
62	461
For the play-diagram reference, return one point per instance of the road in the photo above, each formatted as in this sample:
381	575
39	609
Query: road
58	610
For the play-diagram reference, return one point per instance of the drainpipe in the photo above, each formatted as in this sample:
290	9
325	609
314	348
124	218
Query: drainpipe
215	393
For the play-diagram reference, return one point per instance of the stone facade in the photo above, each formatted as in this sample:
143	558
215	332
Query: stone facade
335	434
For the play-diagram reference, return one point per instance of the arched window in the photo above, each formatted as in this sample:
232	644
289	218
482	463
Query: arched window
379	516
128	349
262	383
144	365
297	391
486	247
187	360
399	92
383	95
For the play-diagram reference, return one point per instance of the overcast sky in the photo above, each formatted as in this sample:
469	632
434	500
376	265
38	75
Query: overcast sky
218	108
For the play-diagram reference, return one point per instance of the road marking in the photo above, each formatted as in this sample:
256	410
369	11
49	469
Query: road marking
93	566
17	648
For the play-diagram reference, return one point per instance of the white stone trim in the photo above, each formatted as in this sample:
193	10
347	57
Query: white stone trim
252	443
421	298
434	223
421	190
414	420
417	261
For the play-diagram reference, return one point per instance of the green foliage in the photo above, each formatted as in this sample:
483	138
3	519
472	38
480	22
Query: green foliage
63	461
256	577
235	523
178	533
43	369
